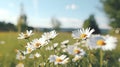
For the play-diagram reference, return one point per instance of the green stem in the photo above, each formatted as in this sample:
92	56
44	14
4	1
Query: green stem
34	63
101	58
90	60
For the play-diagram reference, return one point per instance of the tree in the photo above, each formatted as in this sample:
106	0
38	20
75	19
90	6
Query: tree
22	25
112	9
11	27
22	20
55	24
91	22
5	26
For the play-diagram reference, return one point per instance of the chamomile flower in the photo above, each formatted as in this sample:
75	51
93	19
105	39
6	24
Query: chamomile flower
82	33
110	43
77	43
20	64
25	35
49	35
74	50
52	58
29	48
37	55
76	58
55	45
58	59
37	43
92	41
20	56
64	43
103	42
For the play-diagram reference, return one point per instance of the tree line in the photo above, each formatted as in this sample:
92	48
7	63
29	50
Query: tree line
8	26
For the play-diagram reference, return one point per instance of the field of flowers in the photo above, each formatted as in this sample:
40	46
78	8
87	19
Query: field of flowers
80	48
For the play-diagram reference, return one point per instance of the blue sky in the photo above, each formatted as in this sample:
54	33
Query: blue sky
71	13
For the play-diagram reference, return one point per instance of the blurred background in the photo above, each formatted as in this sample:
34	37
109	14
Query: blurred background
65	15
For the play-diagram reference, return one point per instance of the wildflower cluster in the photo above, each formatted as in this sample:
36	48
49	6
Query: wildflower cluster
52	53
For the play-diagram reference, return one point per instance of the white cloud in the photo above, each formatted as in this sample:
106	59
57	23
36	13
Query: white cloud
39	22
65	22
71	6
6	15
71	22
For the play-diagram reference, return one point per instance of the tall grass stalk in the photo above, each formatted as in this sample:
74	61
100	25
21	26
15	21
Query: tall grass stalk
101	58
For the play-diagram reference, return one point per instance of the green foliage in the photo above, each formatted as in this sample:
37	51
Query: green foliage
90	22
112	9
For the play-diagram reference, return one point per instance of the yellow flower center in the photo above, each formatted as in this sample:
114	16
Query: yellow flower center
26	36
76	51
20	64
100	43
21	57
59	60
29	50
83	36
37	44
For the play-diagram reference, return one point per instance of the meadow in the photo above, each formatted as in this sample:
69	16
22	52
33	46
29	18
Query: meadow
9	43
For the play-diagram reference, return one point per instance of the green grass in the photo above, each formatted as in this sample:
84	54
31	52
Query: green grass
8	54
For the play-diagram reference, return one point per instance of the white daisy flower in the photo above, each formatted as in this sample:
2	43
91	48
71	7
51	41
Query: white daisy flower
74	50
64	43
20	64
103	42
19	55
76	58
92	41
110	43
77	43
29	48
58	59
55	45
49	35
52	58
82	33
64	50
37	55
37	43
25	35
